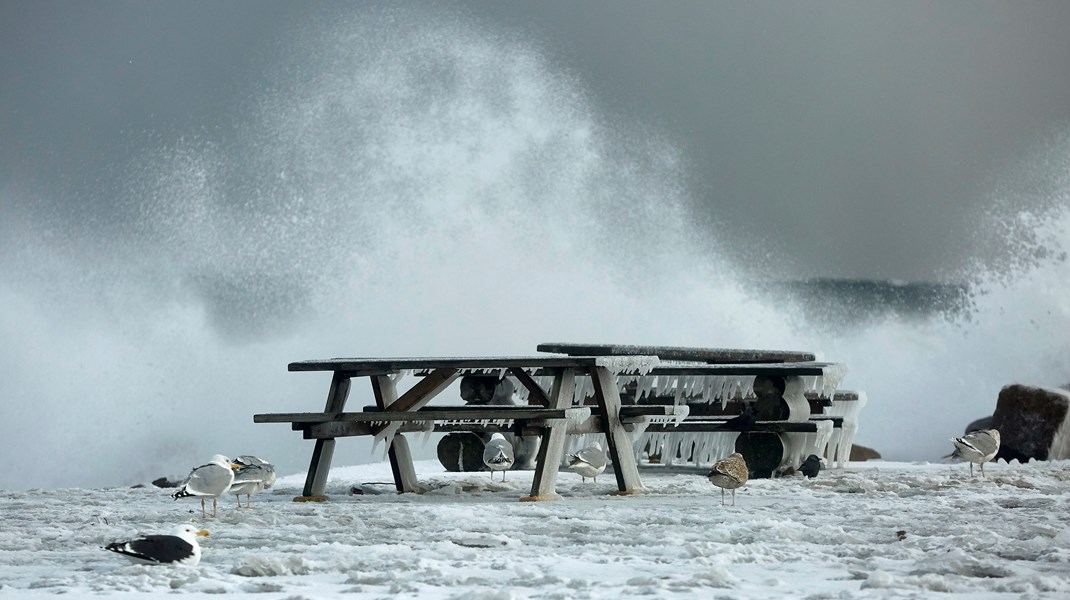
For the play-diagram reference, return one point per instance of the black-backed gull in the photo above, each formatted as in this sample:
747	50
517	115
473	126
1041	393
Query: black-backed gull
179	548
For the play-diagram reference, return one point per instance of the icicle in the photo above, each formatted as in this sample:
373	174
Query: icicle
643	389
521	391
627	364
396	377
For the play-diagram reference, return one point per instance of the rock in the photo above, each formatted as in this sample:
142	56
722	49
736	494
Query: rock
1032	423
861	453
979	424
164	482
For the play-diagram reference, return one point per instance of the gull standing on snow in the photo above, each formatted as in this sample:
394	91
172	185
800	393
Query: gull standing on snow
977	447
589	462
498	454
729	473
208	481
251	475
180	548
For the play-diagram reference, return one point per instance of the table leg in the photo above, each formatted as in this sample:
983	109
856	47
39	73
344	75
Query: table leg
316	480
405	480
543	487
617	438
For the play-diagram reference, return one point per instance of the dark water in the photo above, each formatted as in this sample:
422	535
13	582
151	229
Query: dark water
847	303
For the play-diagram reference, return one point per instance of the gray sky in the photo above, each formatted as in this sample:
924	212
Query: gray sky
843	139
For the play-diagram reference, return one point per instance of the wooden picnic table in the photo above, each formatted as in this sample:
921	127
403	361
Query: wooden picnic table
396	411
554	407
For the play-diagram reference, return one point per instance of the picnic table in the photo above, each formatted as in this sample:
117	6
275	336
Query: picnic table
566	395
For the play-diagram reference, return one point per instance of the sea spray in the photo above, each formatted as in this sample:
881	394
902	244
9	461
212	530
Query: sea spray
403	188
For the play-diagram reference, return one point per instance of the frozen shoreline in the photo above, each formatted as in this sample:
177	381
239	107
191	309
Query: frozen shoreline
1004	537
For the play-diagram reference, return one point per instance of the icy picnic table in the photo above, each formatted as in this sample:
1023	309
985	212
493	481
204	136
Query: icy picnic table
792	393
555	388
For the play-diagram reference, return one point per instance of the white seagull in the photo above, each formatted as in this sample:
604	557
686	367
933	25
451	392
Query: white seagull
181	548
498	454
977	447
251	475
208	481
589	462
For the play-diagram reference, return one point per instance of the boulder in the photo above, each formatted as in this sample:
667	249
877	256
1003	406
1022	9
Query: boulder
861	453
1033	422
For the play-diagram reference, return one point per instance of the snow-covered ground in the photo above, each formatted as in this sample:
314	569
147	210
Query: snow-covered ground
836	536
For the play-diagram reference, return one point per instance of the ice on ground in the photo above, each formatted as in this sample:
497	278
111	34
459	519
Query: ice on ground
871	530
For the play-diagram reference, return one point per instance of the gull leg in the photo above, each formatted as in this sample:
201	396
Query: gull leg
733	496
238	496
204	515
982	470
213	506
971	469
722	496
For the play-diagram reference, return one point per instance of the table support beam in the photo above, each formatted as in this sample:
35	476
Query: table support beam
617	437
323	453
552	448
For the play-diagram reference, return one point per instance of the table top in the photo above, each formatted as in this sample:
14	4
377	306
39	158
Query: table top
373	366
683	353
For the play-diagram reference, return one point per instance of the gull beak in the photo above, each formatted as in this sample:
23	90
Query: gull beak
234	466
203	533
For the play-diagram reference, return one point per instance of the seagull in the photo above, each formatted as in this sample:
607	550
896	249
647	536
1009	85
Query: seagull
811	466
730	474
498	454
251	475
589	462
180	548
208	481
977	447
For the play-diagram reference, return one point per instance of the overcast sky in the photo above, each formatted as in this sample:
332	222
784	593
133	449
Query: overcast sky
851	139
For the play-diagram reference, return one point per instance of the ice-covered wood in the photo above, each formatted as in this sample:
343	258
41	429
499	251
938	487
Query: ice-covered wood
619	442
847	405
482	365
681	353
